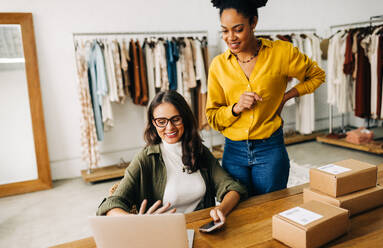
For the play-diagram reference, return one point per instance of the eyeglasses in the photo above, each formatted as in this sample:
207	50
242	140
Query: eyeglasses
163	122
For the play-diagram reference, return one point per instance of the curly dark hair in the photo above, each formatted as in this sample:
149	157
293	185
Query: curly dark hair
248	8
191	140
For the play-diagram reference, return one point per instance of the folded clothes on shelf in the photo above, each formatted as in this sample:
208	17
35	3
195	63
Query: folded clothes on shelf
360	136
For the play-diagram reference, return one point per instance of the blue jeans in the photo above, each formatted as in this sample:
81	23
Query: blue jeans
261	165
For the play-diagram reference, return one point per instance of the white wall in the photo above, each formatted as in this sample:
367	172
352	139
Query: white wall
55	21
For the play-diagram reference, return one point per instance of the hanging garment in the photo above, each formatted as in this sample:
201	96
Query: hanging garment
149	59
189	73
160	66
125	67
380	77
331	69
90	153
202	89
180	67
144	84
353	77
200	66
349	62
135	73
97	85
363	83
183	88
202	99
118	71
305	112
106	107
194	91
339	84
370	45
111	76
348	68
291	83
172	55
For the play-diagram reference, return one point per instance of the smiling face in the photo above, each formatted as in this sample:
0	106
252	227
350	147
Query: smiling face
237	31
171	133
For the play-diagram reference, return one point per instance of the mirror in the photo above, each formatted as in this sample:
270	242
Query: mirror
24	161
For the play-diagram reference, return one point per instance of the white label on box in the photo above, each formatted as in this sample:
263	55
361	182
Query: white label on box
334	169
300	215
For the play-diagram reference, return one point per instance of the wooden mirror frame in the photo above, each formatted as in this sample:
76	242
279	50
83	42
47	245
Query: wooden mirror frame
44	180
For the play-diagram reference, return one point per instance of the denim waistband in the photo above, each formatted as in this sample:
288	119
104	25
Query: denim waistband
277	134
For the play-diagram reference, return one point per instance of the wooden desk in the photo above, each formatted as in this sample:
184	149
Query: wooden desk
249	225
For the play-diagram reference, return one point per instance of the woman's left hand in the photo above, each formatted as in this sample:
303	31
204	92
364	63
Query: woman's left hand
217	215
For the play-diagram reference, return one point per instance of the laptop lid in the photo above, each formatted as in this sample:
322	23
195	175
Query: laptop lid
136	231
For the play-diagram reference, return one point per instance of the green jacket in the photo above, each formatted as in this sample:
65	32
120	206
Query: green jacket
145	178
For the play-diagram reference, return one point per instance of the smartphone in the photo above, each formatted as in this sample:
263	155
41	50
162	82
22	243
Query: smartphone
211	226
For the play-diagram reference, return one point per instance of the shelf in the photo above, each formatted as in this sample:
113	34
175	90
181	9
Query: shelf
375	147
104	173
298	138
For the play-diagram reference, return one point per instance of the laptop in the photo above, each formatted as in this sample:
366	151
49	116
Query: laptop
136	231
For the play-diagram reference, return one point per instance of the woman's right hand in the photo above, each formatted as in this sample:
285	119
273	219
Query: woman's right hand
154	209
246	101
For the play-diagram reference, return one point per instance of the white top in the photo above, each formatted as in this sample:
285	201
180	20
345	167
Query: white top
184	191
160	66
200	67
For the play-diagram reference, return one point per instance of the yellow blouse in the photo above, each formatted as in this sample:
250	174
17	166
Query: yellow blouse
276	62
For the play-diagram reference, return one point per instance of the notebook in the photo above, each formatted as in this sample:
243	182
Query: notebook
136	231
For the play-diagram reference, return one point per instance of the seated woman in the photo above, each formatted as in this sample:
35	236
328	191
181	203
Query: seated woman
175	168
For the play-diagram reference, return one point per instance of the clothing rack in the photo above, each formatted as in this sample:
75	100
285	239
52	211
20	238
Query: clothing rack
373	19
114	171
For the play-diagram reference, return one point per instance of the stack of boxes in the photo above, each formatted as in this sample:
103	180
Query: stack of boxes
336	191
349	184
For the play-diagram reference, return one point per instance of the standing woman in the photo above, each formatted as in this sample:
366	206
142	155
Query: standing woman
246	94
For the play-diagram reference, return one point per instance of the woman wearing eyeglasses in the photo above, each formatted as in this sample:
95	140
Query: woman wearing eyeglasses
175	172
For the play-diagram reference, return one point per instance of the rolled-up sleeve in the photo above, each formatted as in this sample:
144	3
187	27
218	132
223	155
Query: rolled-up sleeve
307	71
125	195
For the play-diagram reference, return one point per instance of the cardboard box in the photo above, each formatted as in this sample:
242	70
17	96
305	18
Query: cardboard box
310	225
343	177
356	202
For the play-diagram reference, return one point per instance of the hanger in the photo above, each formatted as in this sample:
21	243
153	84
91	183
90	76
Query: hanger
75	45
335	33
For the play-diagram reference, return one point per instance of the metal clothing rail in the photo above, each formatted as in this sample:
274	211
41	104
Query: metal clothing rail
285	30
203	32
373	19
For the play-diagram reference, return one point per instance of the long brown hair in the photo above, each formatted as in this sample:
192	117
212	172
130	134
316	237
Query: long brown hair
191	140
